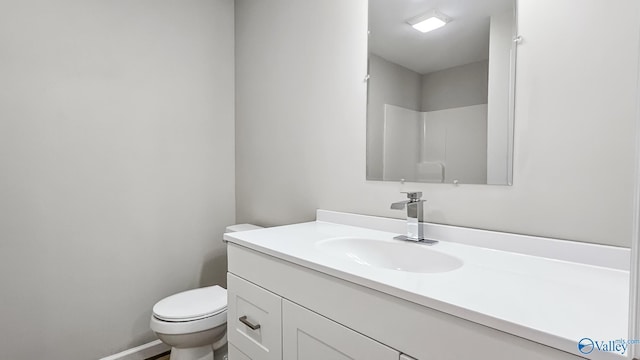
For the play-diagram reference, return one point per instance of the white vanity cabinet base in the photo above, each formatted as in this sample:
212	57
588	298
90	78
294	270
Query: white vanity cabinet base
261	308
413	329
235	354
309	336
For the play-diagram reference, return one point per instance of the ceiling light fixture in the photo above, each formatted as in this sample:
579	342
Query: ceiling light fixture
429	21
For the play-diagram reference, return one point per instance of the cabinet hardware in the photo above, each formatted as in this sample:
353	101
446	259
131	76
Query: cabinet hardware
243	319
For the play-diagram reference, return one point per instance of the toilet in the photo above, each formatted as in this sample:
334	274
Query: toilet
194	322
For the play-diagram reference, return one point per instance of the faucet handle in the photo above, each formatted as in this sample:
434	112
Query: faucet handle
413	195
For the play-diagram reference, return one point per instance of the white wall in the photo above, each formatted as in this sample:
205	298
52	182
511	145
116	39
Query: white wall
436	146
402	143
462	133
500	119
301	121
116	150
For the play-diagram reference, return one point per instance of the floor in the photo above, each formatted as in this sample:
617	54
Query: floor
160	357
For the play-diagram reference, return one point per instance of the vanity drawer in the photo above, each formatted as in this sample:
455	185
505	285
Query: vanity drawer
254	320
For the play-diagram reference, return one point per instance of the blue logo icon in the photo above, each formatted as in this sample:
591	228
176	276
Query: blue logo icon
585	346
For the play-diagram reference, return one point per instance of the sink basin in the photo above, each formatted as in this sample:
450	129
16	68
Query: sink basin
390	254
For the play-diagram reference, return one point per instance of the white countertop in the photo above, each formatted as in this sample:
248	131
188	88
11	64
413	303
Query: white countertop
550	301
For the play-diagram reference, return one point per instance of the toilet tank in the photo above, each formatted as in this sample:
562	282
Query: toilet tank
241	227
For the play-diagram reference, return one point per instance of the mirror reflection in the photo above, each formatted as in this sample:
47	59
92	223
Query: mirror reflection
440	93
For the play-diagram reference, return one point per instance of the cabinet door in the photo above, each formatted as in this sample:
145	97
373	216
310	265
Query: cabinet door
309	336
235	354
253	321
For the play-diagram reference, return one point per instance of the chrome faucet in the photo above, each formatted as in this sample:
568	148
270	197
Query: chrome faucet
415	216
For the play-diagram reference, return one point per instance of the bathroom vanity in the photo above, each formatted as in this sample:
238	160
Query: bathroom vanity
331	290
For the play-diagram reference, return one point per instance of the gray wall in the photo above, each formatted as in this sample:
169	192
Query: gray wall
390	84
459	86
301	121
116	149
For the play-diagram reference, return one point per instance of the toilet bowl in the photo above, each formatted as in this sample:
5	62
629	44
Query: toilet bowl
194	322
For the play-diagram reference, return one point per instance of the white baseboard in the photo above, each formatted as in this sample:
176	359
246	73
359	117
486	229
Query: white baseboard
141	352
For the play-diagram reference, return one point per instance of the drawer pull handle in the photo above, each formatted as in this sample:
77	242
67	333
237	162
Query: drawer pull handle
243	319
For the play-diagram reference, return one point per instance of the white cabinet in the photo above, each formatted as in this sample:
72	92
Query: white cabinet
254	321
235	354
309	336
263	326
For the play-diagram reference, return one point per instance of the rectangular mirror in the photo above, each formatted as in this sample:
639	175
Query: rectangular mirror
440	102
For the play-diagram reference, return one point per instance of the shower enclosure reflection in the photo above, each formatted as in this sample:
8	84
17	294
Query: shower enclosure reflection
440	104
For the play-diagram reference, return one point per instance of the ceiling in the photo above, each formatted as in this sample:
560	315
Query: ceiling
462	41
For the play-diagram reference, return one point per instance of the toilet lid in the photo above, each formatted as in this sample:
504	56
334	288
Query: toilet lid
192	305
